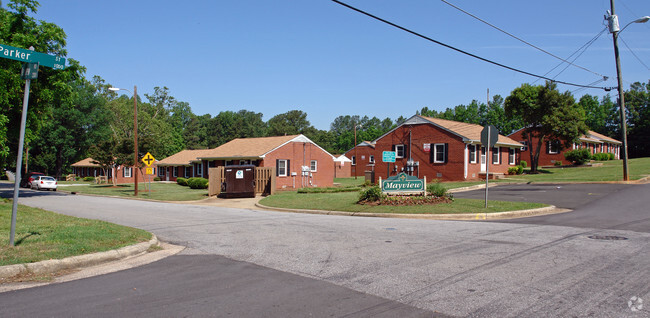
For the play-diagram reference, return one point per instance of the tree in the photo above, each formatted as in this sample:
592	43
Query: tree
548	115
292	122
637	100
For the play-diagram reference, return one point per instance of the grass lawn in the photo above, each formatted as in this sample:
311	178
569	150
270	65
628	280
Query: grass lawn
346	201
159	191
42	235
609	171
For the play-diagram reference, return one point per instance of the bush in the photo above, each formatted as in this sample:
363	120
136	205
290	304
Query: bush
156	179
611	156
516	170
89	178
578	156
197	183
437	189
601	156
370	194
181	181
523	163
558	163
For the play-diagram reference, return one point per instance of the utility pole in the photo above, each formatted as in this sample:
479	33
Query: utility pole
614	29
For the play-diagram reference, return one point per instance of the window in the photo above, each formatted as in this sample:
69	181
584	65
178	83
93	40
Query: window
472	153
188	172
511	156
175	172
313	166
495	155
161	172
399	151
244	162
525	145
127	172
439	153
371	159
199	169
282	168
553	147
228	163
354	160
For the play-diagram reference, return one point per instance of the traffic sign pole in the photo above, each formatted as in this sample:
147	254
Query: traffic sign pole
19	163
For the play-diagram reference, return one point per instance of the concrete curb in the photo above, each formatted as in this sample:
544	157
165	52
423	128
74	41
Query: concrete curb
55	265
458	217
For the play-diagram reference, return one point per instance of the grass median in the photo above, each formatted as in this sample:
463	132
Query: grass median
346	201
159	191
43	235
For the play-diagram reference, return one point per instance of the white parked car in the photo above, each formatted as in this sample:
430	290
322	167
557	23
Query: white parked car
44	182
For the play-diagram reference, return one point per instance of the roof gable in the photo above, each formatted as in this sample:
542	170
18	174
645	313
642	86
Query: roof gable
254	147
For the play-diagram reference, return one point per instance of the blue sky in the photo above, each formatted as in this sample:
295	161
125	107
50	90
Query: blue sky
324	59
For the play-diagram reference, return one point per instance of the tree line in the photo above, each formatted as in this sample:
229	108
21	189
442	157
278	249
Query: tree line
72	117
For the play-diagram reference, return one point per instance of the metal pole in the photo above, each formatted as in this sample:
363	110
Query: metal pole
135	134
621	99
356	158
21	140
487	168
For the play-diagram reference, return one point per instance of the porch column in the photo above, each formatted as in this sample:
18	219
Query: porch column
466	160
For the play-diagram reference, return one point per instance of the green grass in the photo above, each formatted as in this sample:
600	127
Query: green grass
609	171
349	182
346	201
159	191
43	235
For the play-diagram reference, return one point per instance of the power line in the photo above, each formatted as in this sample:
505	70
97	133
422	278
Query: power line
628	47
464	52
520	40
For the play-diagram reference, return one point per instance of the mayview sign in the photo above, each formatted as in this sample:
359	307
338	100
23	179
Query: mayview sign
403	183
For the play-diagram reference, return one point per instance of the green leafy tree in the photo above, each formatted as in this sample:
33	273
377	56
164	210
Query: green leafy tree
292	122
637	102
548	115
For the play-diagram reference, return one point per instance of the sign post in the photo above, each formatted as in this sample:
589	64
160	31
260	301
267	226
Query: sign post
489	137
388	157
148	160
28	73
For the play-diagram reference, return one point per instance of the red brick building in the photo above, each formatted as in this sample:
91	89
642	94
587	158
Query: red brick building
363	158
342	167
553	152
184	164
124	174
442	149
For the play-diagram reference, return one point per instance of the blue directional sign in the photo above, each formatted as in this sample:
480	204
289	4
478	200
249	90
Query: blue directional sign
388	156
29	56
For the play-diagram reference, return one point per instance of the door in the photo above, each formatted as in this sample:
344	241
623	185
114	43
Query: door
483	159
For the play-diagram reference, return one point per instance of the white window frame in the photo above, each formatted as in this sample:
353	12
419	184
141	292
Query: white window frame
371	159
175	172
282	165
198	167
397	151
475	160
512	154
435	153
128	172
244	162
525	146
313	165
185	174
161	171
498	153
550	148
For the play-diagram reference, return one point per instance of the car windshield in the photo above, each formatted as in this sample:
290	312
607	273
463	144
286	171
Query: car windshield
48	178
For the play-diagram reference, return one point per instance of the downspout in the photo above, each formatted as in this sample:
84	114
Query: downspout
465	161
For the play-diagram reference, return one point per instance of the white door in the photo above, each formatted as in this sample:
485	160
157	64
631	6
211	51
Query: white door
483	161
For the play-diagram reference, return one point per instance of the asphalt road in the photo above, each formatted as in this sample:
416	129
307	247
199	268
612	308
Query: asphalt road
480	269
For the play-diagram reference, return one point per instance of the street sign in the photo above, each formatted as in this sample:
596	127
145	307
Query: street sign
388	156
148	170
29	56
29	71
489	136
148	159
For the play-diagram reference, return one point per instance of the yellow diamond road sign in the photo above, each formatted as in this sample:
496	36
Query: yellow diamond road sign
148	159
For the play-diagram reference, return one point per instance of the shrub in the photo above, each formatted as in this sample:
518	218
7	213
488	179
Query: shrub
558	163
601	156
181	181
197	183
370	194
437	189
578	156
523	163
516	170
89	178
156	179
611	156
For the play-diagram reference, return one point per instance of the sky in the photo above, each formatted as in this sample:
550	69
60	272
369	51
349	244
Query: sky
327	60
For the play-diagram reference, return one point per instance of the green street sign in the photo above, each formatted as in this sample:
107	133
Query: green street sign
29	56
29	71
388	156
402	183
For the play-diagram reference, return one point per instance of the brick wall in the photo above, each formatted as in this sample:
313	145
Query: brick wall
301	154
363	163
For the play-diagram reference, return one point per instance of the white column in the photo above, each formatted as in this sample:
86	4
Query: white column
466	160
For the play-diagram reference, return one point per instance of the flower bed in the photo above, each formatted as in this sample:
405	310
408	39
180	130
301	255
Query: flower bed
406	200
